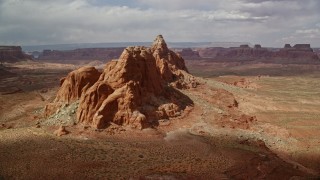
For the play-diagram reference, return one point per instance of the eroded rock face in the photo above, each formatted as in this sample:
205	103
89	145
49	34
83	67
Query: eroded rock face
167	61
72	87
136	90
76	83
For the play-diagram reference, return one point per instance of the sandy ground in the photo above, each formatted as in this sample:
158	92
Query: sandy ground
283	143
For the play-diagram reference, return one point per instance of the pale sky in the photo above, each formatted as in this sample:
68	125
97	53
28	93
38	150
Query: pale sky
266	22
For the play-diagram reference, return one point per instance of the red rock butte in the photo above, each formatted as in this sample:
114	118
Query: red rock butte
136	90
12	54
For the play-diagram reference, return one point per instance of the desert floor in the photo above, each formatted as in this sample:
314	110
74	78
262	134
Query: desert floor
283	143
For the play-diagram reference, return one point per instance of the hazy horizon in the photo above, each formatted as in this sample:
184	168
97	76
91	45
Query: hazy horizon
271	23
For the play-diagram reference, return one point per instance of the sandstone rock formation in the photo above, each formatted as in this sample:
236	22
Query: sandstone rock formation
76	83
72	87
135	90
12	54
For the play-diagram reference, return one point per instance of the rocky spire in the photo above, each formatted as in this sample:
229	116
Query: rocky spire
159	44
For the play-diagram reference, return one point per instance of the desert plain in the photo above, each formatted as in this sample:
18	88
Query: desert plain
210	140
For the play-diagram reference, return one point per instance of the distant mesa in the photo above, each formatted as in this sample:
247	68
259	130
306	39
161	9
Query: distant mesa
287	46
81	54
137	90
257	46
302	46
298	54
12	54
189	53
299	46
244	46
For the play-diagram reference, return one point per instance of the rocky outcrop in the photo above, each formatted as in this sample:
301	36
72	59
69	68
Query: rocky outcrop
76	83
136	90
12	54
302	46
72	87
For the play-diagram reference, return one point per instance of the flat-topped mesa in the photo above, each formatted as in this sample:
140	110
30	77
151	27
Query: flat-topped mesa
257	46
244	46
81	54
287	46
302	46
297	48
299	53
12	54
136	90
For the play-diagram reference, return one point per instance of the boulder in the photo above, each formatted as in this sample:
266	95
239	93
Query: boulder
61	131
